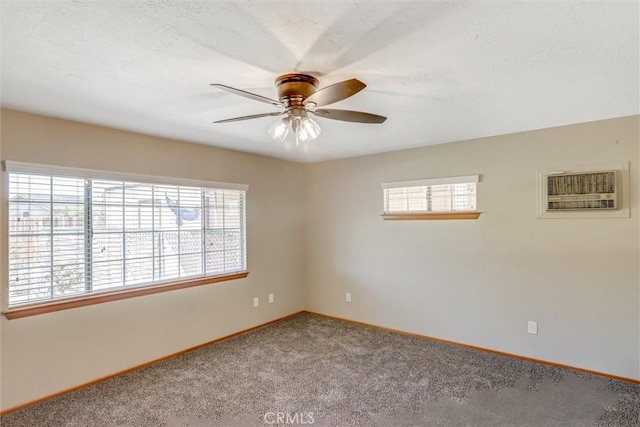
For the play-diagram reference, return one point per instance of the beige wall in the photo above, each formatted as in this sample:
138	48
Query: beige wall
315	232
479	282
45	354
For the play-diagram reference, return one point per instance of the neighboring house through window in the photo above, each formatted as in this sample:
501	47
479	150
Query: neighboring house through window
75	232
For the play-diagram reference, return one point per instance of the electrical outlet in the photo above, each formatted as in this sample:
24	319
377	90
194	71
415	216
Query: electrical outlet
270	298
347	297
256	302
532	327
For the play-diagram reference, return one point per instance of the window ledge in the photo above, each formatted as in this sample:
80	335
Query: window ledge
99	298
430	215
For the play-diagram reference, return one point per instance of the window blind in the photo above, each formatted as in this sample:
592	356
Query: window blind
452	194
76	235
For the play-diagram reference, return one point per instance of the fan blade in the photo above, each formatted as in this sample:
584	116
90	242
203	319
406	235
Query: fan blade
248	95
349	116
253	116
336	92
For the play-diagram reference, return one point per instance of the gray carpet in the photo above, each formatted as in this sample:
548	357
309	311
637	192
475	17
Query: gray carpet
309	370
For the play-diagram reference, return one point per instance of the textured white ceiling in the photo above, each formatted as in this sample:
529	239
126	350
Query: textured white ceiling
440	71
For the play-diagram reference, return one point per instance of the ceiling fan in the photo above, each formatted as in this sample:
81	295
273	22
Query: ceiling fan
299	98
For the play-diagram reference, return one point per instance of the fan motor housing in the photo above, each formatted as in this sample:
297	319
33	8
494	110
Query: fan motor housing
293	88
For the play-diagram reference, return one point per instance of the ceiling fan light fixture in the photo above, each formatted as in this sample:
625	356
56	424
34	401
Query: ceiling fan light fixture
280	130
305	130
298	96
310	127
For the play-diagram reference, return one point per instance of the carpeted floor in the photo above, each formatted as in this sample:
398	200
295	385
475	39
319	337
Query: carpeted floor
309	370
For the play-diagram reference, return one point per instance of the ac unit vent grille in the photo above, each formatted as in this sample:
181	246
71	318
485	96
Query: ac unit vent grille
582	191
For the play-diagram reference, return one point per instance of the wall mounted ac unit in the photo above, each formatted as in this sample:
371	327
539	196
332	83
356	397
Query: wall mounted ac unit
582	191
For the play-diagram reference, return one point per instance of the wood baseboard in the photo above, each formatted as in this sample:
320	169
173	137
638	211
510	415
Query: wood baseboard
144	365
488	350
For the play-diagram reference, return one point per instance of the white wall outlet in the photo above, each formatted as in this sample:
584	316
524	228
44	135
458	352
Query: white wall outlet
347	297
271	299
256	302
532	327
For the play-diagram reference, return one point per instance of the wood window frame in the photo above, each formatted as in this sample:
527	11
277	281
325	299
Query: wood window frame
430	216
120	294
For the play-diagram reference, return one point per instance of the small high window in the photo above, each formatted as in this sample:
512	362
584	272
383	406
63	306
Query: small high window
439	198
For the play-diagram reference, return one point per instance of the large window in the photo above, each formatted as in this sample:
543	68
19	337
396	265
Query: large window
70	236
